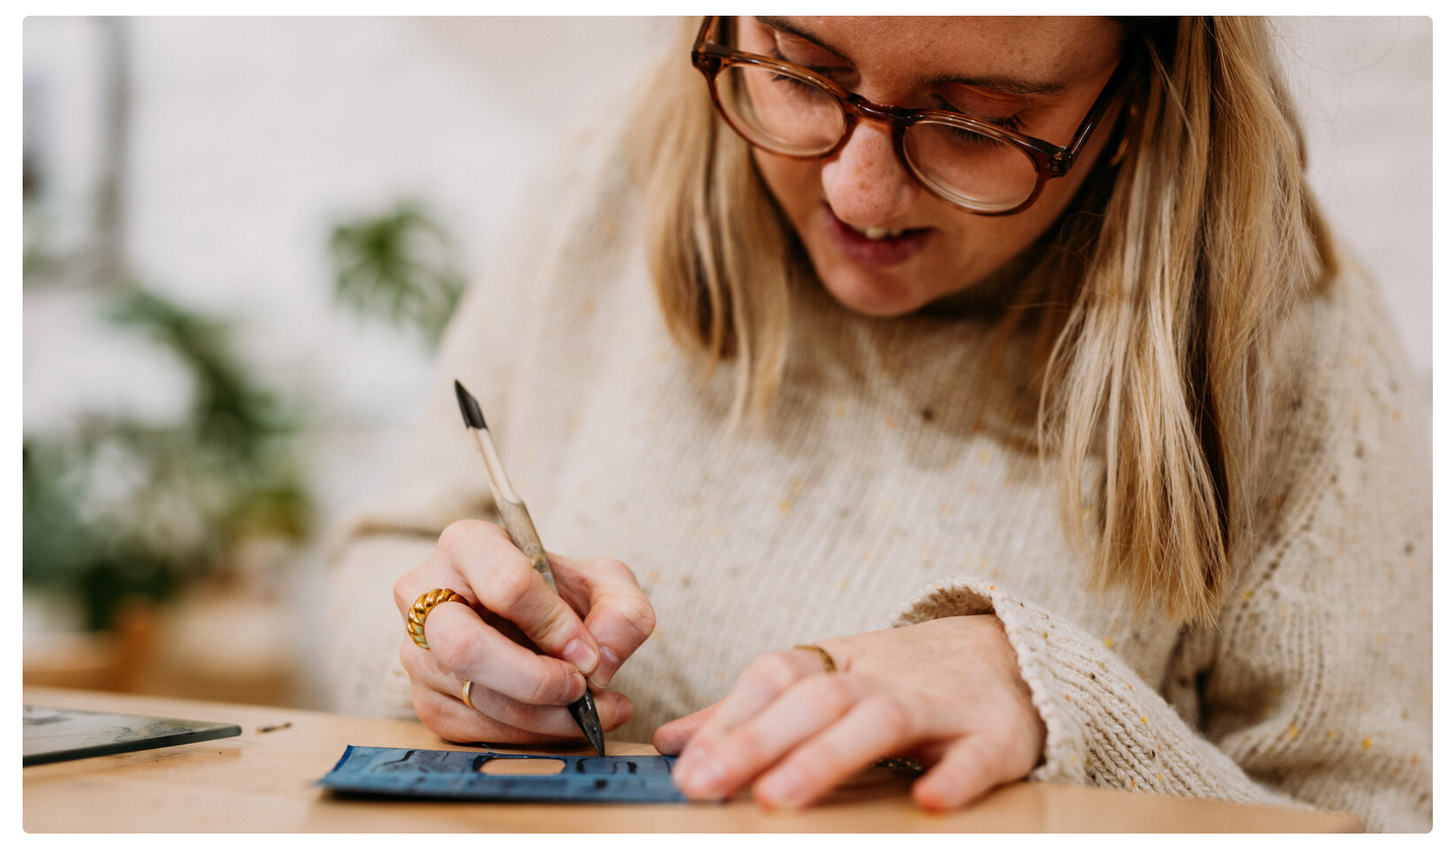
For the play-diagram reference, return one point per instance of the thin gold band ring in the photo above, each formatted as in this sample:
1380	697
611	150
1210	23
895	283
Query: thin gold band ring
829	666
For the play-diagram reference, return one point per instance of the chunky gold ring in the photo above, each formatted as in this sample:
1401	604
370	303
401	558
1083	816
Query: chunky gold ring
416	616
829	666
467	694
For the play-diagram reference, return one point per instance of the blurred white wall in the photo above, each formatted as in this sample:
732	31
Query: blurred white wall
1364	91
250	137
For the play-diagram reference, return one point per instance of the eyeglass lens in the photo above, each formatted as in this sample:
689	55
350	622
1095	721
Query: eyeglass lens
792	115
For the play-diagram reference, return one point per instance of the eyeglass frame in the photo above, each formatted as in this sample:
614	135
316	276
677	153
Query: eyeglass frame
1050	161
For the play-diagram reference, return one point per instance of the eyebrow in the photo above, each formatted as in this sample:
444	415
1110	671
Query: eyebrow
785	25
1002	83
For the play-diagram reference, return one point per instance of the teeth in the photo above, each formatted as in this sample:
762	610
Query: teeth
875	233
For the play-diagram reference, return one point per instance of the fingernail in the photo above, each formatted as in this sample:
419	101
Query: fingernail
581	655
703	779
576	687
682	768
607	663
781	790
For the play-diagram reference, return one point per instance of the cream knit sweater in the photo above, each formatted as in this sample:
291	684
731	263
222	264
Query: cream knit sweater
886	489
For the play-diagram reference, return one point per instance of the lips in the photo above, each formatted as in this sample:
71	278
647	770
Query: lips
874	247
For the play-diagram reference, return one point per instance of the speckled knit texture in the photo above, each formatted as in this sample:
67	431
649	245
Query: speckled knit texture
888	488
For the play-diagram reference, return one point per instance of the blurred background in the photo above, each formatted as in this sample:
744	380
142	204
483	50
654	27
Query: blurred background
242	237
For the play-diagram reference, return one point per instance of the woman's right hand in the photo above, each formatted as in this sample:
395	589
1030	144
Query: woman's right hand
518	695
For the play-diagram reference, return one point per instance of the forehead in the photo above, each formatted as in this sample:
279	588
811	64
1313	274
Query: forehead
1043	47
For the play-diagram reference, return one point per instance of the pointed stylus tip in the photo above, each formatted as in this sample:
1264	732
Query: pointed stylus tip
584	712
471	411
594	737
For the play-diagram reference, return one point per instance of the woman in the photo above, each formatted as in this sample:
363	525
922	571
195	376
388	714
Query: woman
1028	327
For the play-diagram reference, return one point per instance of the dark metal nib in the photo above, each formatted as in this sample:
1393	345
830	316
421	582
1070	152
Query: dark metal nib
471	411
584	712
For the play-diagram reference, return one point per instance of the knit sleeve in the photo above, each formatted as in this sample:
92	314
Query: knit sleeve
1106	726
1314	685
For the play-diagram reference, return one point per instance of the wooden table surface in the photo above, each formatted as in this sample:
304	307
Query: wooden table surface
264	780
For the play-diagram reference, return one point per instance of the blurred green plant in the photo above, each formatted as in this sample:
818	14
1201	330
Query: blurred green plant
37	258
399	265
119	508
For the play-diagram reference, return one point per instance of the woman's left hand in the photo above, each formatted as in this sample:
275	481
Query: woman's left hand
946	692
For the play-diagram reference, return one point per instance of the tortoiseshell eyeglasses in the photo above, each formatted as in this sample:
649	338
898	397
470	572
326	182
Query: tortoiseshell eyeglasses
981	167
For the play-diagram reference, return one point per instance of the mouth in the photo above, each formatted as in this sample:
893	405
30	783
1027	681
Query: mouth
875	247
874	233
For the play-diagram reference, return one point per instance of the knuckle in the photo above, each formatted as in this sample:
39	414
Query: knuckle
830	694
820	763
774	670
449	727
1013	727
511	712
465	652
890	714
616	711
550	634
458	535
507	585
993	756
745	746
401	594
976	765
639	613
547	687
555	626
1008	754
468	536
646	621
412	584
449	540
428	707
614	567
410	657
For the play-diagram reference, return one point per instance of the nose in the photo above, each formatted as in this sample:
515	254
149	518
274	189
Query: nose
865	183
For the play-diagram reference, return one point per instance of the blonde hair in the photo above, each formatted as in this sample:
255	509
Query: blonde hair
1154	306
720	251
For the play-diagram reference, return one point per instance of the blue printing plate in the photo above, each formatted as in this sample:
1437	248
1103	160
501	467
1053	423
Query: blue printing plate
458	775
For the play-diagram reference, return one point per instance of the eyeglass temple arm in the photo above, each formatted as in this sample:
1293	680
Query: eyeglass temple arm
709	23
1062	162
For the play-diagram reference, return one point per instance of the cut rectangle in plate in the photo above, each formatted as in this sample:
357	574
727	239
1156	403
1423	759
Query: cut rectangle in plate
53	734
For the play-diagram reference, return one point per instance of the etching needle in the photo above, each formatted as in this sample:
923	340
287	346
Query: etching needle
519	527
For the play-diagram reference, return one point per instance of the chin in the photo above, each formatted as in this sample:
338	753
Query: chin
872	297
